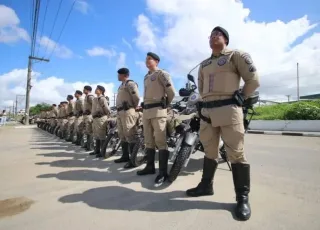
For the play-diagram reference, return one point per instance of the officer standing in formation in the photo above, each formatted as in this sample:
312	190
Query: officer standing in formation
87	118
78	112
158	95
64	120
127	117
71	118
53	115
218	83
100	113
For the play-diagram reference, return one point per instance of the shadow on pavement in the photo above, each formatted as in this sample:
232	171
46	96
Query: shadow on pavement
120	198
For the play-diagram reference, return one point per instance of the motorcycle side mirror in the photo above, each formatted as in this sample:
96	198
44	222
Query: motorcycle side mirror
193	87
191	78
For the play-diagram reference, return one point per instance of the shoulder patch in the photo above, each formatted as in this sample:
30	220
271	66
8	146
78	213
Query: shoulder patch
206	62
247	58
222	60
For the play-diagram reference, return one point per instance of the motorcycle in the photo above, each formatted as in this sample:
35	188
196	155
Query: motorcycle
189	130
138	155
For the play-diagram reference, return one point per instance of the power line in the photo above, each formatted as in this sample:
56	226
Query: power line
54	23
65	22
43	22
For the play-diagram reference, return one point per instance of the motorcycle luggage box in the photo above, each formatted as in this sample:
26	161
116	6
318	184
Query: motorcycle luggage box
252	99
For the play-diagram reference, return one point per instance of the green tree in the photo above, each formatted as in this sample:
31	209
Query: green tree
34	110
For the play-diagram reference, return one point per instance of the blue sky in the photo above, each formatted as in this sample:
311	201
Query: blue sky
106	24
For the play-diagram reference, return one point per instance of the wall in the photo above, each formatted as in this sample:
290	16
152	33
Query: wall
300	125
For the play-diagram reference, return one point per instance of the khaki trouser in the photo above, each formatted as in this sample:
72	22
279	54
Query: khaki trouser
154	131
99	126
63	124
127	125
70	125
87	120
78	125
226	121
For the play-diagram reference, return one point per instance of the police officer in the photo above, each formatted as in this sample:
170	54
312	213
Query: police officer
53	116
127	101
219	82
71	118
47	118
158	94
87	118
58	119
100	113
64	119
78	123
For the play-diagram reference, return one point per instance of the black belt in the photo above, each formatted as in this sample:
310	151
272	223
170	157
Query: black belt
121	108
98	116
219	103
150	106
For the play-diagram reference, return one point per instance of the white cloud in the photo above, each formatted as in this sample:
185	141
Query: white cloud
121	62
60	51
127	43
183	42
49	90
99	51
146	39
141	65
82	6
10	31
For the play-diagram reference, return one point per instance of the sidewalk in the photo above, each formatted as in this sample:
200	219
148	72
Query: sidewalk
286	133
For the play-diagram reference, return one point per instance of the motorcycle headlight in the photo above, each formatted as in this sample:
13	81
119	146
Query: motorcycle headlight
181	128
112	124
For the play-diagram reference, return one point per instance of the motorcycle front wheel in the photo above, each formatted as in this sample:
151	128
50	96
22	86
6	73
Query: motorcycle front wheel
138	155
181	158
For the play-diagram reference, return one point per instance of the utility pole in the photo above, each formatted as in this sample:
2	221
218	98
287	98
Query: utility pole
16	111
288	97
298	93
29	86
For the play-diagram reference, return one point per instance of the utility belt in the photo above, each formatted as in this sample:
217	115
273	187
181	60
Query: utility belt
163	104
98	115
79	114
87	112
219	103
125	109
237	99
70	115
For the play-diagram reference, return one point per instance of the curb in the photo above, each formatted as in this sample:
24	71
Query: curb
305	134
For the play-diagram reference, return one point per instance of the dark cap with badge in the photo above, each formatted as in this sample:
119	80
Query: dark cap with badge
223	31
154	56
88	87
124	71
54	105
100	87
69	97
78	92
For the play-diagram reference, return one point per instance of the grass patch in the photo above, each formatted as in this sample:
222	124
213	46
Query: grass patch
302	110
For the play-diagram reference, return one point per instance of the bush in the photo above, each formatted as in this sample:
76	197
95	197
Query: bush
303	110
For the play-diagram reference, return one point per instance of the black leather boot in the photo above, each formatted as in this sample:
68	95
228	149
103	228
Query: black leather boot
125	153
205	187
97	148
149	169
100	151
129	164
163	167
241	180
79	137
74	138
88	143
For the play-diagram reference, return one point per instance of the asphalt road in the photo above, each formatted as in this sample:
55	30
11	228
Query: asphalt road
54	185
